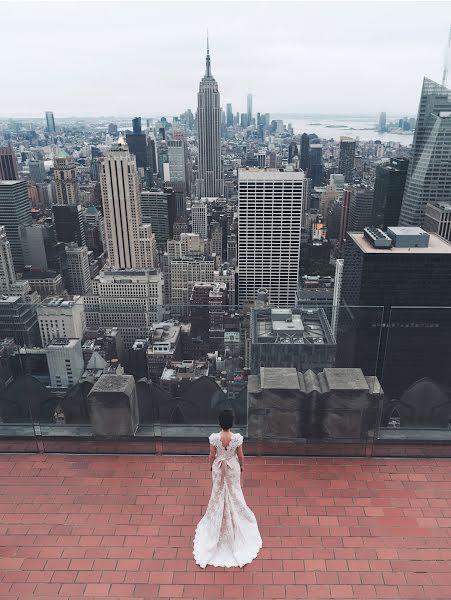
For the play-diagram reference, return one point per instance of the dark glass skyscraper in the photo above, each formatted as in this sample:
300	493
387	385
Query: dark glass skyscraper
346	158
315	164
304	157
8	164
388	192
429	174
15	211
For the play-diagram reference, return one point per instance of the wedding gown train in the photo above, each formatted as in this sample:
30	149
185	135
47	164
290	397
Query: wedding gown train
227	535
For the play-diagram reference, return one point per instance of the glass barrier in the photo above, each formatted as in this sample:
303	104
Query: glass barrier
416	377
308	379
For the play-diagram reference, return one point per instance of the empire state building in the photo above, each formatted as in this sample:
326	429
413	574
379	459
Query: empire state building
210	181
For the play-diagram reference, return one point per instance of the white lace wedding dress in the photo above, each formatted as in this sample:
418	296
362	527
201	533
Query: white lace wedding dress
227	535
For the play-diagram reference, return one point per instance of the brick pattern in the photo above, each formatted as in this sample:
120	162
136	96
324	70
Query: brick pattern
121	527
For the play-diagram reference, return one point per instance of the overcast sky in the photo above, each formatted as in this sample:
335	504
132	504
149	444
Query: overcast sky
115	58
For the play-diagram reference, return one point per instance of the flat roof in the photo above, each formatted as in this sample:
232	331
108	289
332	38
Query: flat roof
269	174
437	245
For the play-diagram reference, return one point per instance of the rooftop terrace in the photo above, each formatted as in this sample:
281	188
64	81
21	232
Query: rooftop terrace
121	527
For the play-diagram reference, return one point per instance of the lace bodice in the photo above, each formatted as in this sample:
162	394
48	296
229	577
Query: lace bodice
226	453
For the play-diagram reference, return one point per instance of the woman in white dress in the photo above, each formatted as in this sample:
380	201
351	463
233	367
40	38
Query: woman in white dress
227	535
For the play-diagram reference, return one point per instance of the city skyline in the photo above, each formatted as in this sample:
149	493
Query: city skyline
387	75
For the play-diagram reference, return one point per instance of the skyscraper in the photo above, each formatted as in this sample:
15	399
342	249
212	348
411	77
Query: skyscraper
79	275
66	183
199	218
383	122
346	158
361	207
229	115
269	233
7	274
177	162
304	157
429	174
315	164
15	211
122	209
8	165
210	181
388	192
249	109
50	121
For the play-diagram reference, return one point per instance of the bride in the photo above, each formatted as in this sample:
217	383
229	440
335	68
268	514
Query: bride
227	535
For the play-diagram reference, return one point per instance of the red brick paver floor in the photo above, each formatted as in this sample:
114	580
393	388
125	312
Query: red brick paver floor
121	527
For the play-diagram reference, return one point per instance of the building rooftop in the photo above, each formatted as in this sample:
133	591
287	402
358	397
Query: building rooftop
59	301
437	245
445	206
290	326
269	174
121	527
63	342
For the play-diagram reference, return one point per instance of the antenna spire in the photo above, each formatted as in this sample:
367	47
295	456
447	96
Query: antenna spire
207	61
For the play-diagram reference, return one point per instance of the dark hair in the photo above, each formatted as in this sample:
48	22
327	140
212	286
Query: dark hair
226	419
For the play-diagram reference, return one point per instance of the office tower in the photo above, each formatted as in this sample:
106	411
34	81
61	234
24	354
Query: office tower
338	282
79	274
153	154
112	129
61	316
130	300
37	171
65	361
304	153
315	165
15	212
249	109
292	151
269	233
244	122
361	207
388	192
189	244
210	181
7	273
229	115
159	209
69	224
9	171
136	124
429	174
18	320
66	183
177	163
437	219
344	217
346	158
216	239
122	208
50	121
199	218
185	272
407	273
383	122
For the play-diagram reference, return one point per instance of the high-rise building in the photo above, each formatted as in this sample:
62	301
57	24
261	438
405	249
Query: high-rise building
394	292
18	320
66	183
315	164
37	171
210	181
79	274
185	273
388	192
50	122
344	217
61	317
65	361
138	145
15	212
229	115
69	223
199	218
269	233
304	154
7	273
249	109
338	282
346	158
136	124
9	170
122	208
130	300
361	207
437	219
158	210
383	122
292	151
177	163
429	174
